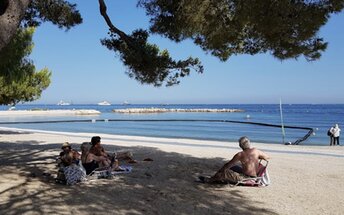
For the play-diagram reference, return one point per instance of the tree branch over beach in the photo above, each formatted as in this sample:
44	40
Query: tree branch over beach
284	28
18	79
145	62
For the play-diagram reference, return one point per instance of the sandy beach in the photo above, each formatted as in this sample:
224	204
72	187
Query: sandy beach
305	179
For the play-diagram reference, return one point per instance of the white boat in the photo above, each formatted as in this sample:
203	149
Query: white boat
12	108
125	103
61	102
104	103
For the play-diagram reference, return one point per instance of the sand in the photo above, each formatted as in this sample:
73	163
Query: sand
305	179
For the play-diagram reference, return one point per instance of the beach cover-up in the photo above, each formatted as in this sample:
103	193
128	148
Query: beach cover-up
74	174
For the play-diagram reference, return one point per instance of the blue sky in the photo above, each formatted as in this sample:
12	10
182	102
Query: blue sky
85	72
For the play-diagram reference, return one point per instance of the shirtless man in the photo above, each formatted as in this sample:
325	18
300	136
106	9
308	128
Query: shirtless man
249	159
91	161
98	150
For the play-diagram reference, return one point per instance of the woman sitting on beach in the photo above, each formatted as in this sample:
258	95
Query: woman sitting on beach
64	159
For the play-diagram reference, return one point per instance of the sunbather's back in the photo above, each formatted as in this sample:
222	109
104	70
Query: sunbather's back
249	159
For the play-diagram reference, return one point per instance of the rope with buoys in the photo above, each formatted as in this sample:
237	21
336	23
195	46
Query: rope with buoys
309	133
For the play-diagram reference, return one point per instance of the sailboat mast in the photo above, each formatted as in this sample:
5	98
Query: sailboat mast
283	131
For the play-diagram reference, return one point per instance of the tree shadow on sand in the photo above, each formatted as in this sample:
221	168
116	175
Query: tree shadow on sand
165	185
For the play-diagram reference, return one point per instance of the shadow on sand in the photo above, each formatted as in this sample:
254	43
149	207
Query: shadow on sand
165	185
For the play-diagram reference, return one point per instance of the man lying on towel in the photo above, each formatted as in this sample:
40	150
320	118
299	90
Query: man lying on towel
249	159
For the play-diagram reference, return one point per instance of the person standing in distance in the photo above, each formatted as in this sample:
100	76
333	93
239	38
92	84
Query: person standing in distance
336	133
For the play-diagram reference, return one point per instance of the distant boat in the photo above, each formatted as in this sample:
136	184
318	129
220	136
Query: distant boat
61	102
125	103
104	103
12	108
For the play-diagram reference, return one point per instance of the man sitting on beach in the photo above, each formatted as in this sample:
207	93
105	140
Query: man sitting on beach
92	162
98	150
249	159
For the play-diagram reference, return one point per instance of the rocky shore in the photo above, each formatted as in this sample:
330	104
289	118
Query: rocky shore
165	110
48	112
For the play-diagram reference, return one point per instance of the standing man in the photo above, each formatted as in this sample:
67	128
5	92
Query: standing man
336	133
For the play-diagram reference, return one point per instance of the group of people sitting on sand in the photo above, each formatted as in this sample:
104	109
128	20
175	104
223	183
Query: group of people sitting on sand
75	166
93	157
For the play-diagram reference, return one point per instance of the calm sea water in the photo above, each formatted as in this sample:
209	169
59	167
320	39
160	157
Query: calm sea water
319	116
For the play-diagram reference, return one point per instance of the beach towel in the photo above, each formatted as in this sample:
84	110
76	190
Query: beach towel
123	170
98	174
262	179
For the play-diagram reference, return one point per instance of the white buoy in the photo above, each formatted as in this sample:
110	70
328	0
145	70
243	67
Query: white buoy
93	121
248	116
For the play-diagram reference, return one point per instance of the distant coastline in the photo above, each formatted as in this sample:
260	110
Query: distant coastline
42	112
165	110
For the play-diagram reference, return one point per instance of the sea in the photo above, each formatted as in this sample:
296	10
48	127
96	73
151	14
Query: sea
208	125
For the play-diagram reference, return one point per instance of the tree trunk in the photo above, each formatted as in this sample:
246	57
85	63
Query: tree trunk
11	14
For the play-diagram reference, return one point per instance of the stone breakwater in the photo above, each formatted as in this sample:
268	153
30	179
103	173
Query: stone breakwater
48	112
165	110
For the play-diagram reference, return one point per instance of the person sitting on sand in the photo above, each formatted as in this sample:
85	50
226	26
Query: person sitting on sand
68	155
90	161
98	150
249	159
70	171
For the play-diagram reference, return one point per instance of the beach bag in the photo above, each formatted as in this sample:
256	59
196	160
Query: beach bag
329	132
60	178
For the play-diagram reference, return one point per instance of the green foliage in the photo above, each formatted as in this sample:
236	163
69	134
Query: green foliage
146	63
18	80
284	28
59	12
